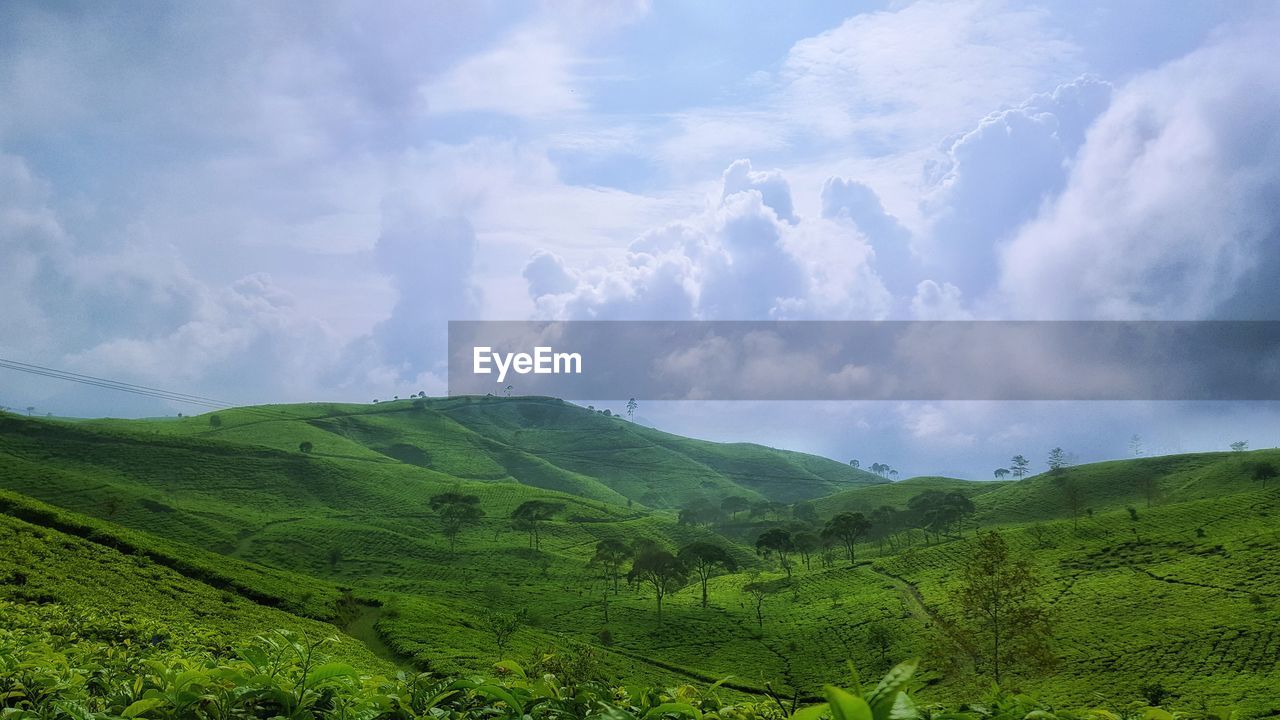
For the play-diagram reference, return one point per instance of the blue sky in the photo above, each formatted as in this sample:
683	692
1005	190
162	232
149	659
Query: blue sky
287	202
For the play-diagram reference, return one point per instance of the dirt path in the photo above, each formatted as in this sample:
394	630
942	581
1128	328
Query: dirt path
365	629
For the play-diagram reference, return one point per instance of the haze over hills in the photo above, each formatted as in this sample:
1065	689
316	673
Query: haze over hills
297	516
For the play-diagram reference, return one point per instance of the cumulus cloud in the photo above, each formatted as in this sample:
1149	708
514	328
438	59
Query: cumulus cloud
748	256
924	68
1170	209
995	177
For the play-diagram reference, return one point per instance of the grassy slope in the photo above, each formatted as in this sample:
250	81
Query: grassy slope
88	564
271	505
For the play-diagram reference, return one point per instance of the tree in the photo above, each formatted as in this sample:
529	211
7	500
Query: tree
847	528
305	447
806	543
456	511
661	570
502	625
881	637
1019	466
335	556
31	409
1135	445
704	559
805	512
735	504
1237	446
610	554
1073	499
1004	622
699	512
758	591
1149	487
1263	471
631	408
215	420
1057	460
855	464
777	541
1001	473
893	474
530	517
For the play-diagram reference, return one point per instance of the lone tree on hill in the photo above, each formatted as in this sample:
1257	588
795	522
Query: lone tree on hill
806	512
1263	471
661	570
530	517
847	528
456	511
502	625
758	591
1057	460
1073	498
1020	466
735	504
1240	446
704	559
855	464
215	420
610	554
631	408
1001	473
1004	623
777	541
305	447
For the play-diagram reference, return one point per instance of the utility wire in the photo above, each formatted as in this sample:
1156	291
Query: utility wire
143	390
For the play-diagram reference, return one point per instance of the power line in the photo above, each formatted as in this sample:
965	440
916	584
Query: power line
142	390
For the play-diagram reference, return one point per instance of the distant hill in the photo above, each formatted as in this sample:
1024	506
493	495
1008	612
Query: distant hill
540	442
896	494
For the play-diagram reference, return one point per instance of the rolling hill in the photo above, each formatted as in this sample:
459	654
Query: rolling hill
317	516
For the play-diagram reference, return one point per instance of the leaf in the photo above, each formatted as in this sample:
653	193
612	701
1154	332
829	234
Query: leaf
885	694
511	666
493	692
845	706
675	709
141	707
331	671
812	712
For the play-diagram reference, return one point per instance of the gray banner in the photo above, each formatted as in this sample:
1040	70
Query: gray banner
856	360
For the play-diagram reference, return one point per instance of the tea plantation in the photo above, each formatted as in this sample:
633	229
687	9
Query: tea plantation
201	537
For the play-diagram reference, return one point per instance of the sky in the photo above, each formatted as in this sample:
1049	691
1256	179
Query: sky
284	202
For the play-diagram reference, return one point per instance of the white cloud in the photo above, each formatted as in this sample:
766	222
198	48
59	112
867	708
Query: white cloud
528	74
1170	209
746	257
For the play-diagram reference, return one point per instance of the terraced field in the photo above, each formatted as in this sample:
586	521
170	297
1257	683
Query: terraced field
1165	573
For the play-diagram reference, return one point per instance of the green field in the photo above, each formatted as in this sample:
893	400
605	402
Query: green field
1157	571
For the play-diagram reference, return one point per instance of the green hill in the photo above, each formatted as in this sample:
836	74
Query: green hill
896	494
226	527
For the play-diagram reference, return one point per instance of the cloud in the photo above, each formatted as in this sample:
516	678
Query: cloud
529	73
921	69
429	260
747	256
1169	210
994	178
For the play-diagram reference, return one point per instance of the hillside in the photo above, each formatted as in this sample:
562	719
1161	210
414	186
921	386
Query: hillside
896	494
542	442
226	526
